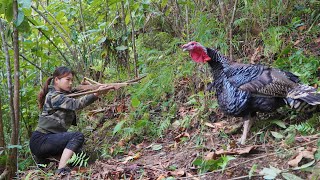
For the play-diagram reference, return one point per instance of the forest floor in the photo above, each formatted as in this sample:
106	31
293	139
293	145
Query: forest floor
214	142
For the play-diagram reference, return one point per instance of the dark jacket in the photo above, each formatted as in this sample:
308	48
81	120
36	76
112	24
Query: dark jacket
58	112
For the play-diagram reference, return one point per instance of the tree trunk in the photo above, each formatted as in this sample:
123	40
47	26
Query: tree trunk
125	30
13	152
2	143
9	80
135	55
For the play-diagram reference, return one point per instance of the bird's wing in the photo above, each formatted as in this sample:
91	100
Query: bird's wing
260	80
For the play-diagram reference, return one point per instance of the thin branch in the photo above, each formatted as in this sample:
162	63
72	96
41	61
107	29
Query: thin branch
32	63
8	65
90	89
54	27
231	29
61	53
91	92
57	22
91	81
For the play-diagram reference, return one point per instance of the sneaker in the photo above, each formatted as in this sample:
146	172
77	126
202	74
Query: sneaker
63	171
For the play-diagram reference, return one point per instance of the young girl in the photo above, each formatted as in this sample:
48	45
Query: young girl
51	138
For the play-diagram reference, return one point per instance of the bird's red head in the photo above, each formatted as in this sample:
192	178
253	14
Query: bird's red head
197	52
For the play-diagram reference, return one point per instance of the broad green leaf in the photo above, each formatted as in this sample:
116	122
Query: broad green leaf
127	19
225	161
27	12
279	123
289	176
25	3
198	162
277	135
9	11
135	102
118	127
20	18
24	26
164	3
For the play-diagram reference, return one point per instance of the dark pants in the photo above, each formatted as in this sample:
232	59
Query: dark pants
48	145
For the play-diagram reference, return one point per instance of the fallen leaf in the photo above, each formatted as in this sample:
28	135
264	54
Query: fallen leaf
156	147
141	146
209	156
209	125
297	42
190	176
178	172
161	177
238	151
255	54
184	134
134	157
301	28
270	173
309	154
317	40
121	143
127	159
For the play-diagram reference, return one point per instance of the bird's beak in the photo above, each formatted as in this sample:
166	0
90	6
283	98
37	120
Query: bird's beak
184	47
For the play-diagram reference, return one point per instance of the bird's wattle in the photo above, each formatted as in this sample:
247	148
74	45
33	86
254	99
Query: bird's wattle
199	56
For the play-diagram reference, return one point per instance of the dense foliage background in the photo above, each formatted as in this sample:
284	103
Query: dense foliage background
114	41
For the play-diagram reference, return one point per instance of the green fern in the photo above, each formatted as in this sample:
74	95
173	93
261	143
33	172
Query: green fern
79	159
163	125
305	128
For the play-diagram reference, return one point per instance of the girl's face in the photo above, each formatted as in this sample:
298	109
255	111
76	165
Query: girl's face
63	84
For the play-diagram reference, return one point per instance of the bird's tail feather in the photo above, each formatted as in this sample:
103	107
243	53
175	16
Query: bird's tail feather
305	93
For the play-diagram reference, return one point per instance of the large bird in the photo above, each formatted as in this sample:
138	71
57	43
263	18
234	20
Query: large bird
244	89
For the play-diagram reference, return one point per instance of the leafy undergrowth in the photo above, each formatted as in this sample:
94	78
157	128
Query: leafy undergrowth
201	143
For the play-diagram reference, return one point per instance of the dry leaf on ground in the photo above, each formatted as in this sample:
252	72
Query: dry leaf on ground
308	153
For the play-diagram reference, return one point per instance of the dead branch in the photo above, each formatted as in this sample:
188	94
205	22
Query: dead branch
91	81
94	88
96	85
91	91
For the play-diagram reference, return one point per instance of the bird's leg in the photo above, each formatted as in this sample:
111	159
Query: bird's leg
246	127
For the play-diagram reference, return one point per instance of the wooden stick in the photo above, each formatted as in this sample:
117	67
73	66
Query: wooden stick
92	81
90	92
90	89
